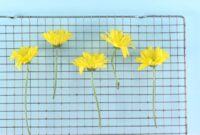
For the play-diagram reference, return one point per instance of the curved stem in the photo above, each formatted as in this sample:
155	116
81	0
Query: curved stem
25	101
96	99
113	68
55	74
154	97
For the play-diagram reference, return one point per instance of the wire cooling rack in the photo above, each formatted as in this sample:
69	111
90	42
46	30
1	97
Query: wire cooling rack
124	111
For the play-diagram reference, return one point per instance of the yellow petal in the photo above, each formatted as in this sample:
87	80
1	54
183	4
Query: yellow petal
12	57
125	52
138	59
18	65
81	69
142	66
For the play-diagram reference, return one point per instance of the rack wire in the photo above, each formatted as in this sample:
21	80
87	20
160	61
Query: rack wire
124	111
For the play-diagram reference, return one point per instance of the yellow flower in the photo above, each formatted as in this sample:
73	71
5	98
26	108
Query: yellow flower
151	57
119	40
57	38
24	55
90	61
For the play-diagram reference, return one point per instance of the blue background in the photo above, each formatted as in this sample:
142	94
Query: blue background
188	8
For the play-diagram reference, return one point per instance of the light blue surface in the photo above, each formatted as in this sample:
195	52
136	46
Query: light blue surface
188	8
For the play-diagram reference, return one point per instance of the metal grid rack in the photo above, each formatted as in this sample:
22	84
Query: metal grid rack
124	111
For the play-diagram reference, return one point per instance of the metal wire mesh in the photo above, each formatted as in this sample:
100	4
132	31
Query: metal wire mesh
124	111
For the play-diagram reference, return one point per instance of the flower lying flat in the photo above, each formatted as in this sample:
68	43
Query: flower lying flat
90	61
57	37
151	57
24	55
119	40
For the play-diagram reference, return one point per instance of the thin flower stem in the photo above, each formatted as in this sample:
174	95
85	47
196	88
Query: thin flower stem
96	99
113	68
25	101
55	74
154	97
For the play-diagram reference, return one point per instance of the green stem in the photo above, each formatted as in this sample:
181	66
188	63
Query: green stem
25	101
55	74
113	68
154	97
96	99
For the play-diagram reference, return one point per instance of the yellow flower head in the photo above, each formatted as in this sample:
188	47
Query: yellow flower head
24	55
119	40
57	38
90	61
151	57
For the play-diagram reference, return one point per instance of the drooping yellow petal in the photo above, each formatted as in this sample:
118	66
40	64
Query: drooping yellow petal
24	55
151	57
18	65
142	66
125	52
81	69
57	37
90	61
